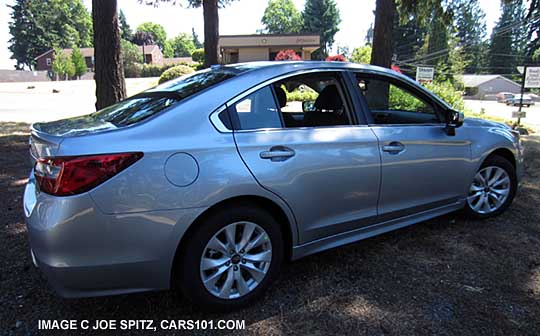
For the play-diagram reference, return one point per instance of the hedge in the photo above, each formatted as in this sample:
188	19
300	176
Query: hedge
175	72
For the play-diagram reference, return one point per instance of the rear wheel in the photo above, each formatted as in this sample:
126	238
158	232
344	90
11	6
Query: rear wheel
231	259
492	189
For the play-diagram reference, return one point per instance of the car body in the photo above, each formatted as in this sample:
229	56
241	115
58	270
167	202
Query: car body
325	185
516	100
502	97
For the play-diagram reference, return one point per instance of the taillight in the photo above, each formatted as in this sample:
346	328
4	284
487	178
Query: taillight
63	176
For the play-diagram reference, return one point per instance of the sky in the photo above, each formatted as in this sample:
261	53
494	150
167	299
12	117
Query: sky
240	17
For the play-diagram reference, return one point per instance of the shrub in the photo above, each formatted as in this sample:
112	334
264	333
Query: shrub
175	72
133	70
287	55
198	55
336	58
301	94
447	92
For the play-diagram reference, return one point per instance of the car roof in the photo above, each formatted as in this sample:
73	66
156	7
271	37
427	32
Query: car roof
278	67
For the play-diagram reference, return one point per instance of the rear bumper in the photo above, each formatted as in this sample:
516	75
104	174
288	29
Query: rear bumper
84	252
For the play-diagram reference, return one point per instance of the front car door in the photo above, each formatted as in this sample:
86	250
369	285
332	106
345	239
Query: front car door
312	154
422	166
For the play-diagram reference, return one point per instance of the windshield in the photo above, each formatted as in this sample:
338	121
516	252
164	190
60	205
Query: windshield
157	99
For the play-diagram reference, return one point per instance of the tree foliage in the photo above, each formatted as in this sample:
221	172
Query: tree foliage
79	64
322	17
195	38
361	55
182	45
125	29
198	55
508	39
143	38
62	64
37	25
282	17
157	31
470	32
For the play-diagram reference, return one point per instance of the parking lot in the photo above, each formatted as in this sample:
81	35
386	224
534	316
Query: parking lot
501	110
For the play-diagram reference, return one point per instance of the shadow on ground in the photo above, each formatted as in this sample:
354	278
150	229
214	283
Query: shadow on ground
447	276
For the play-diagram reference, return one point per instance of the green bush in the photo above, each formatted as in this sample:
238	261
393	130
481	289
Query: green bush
175	72
133	70
198	56
152	70
303	94
447	92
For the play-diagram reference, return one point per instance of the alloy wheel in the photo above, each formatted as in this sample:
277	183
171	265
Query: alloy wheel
236	260
489	190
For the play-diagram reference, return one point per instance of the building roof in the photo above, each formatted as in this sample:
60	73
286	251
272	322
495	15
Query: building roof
270	40
477	80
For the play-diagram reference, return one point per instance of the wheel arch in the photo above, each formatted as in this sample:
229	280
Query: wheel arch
286	223
504	153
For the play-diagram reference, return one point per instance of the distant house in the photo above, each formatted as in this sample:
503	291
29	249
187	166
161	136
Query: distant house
152	55
265	47
487	86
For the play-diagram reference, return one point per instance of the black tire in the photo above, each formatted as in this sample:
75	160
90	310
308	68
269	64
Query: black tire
187	269
501	162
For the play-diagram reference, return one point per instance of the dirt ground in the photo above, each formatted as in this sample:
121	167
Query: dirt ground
447	276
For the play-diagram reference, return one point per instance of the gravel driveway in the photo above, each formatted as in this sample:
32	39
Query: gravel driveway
447	276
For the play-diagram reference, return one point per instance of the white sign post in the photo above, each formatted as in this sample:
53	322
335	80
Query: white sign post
532	77
424	74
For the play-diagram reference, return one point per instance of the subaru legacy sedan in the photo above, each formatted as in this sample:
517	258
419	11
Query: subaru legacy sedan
207	183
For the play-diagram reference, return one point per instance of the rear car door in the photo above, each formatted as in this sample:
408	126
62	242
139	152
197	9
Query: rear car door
422	167
300	139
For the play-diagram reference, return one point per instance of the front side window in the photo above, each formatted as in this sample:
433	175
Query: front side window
392	103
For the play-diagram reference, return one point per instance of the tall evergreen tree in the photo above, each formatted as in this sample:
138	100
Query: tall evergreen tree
322	17
27	38
109	71
125	29
508	42
533	33
38	25
408	36
470	31
195	38
79	64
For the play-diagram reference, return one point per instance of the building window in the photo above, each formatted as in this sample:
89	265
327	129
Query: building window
48	60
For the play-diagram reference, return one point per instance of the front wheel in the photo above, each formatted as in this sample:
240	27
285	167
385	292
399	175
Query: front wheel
492	189
231	259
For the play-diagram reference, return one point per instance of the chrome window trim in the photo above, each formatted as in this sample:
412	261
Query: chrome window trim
214	119
304	128
214	116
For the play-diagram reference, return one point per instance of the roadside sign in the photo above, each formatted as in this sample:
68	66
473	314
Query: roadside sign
520	69
424	74
532	77
518	114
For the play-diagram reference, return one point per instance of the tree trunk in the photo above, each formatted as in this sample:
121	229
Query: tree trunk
109	71
381	53
211	32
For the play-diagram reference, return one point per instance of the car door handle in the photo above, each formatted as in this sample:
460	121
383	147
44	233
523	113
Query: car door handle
394	147
277	153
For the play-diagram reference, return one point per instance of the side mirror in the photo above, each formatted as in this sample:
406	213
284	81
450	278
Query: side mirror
455	120
308	106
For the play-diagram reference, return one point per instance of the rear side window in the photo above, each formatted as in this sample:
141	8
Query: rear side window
258	110
155	100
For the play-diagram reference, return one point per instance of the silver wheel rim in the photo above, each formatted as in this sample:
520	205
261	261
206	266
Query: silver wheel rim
489	190
235	260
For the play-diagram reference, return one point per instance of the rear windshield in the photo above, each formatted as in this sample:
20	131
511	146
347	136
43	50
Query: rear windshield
157	99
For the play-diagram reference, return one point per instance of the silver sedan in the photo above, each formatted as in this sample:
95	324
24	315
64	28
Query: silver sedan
207	183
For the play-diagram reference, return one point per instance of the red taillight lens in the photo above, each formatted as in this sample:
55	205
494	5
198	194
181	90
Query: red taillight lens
65	176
